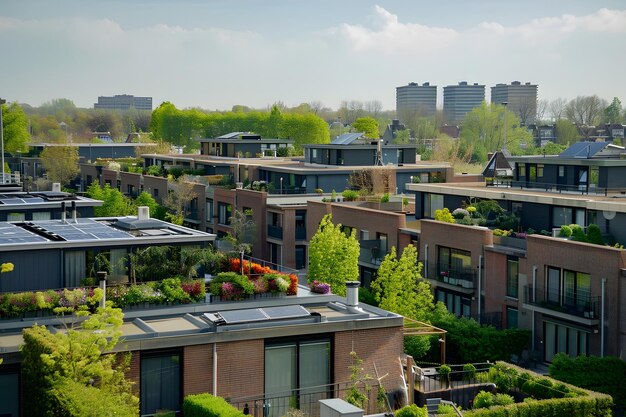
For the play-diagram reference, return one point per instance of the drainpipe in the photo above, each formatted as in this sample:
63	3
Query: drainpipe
602	319
426	260
215	369
480	273
532	323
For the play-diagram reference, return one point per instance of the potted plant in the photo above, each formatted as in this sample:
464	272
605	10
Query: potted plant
444	373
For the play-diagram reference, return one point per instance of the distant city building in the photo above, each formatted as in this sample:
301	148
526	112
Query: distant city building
416	98
123	102
458	100
521	99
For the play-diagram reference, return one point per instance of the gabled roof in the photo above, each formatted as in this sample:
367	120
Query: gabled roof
498	166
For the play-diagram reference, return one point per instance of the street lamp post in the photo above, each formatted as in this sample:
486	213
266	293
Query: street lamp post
2	101
64	126
504	103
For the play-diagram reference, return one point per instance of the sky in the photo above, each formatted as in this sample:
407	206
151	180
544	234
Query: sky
214	54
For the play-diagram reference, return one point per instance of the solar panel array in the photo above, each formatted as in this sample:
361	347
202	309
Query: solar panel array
85	229
262	314
12	234
583	149
13	200
346	138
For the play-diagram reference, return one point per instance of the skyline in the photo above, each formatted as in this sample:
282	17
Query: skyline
218	54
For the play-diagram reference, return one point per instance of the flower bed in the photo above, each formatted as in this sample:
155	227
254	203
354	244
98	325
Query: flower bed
254	270
319	287
231	286
171	290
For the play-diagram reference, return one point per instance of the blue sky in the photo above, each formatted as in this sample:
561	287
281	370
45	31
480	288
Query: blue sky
215	54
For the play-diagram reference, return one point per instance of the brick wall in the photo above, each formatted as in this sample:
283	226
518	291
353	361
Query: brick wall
133	373
240	368
382	347
197	369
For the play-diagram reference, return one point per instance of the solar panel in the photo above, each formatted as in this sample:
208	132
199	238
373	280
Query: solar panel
12	201
85	229
243	316
346	138
284	312
583	149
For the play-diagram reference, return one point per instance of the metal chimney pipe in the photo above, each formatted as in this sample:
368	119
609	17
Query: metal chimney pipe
74	212
62	211
352	296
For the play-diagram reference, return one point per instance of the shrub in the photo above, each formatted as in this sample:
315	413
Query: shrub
500	232
446	410
566	231
412	411
416	346
444	215
276	282
319	287
594	235
503	399
231	286
483	399
206	405
384	198
350	195
173	292
469	371
460	213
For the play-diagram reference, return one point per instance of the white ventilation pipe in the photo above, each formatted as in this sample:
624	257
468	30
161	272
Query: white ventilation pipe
143	213
56	187
352	296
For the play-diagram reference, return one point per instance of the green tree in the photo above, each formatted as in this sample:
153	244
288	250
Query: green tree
333	256
243	230
60	163
367	125
566	132
551	148
613	112
145	199
15	129
57	365
483	131
399	286
180	194
402	137
114	202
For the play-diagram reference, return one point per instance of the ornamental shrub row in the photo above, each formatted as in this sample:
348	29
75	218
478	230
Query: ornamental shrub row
207	405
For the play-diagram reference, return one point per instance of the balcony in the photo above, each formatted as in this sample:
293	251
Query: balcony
275	232
372	252
454	275
300	233
579	306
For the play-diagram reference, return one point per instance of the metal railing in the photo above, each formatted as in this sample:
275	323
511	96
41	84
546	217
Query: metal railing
275	232
454	275
305	399
552	187
372	251
576	305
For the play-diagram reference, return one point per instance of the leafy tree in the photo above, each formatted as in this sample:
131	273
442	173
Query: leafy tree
60	163
333	256
399	286
180	194
613	112
75	360
402	137
585	110
145	199
556	108
566	132
114	202
15	129
551	148
367	125
243	230
483	130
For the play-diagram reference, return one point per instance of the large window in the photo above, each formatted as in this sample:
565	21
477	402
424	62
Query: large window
571	291
512	276
297	375
9	392
455	267
577	289
457	304
224	213
560	338
511	318
432	202
160	382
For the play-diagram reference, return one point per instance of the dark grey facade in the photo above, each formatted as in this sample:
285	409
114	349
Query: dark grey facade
242	148
359	155
458	100
415	98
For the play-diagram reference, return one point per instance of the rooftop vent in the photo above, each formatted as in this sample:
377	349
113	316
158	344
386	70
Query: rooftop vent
56	187
143	213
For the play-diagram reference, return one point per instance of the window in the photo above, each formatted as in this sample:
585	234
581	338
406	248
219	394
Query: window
42	215
560	338
455	266
400	156
577	290
553	285
224	213
16	217
521	170
539	170
561	216
160	382
300	224
383	242
364	235
512	277
300	256
155	192
511	318
432	202
457	304
339	157
9	391
561	171
209	211
298	374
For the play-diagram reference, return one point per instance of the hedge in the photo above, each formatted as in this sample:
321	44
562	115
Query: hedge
207	405
73	399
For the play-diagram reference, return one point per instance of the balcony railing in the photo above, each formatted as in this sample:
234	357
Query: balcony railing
275	232
300	233
551	187
455	275
372	251
579	306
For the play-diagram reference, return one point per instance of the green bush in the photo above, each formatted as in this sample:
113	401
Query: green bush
240	283
417	346
72	399
469	371
446	410
604	375
594	235
384	198
484	399
207	405
566	231
350	195
503	399
411	411
173	292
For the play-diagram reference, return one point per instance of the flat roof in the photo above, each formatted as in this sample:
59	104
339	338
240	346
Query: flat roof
90	232
564	198
201	323
43	199
94	145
